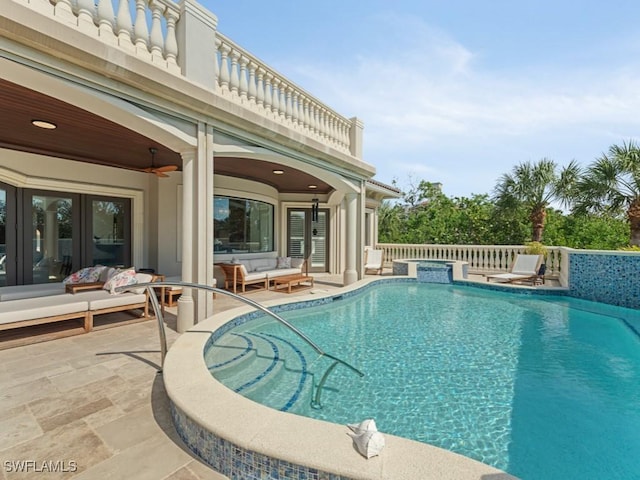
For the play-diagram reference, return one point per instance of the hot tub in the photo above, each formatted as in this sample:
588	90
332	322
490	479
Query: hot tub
431	270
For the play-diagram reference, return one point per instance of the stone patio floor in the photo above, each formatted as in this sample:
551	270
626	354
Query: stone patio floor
97	402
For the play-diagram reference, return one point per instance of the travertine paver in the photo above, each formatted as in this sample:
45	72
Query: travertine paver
97	400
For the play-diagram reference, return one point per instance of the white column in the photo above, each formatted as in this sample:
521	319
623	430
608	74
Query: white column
186	306
351	239
203	222
195	305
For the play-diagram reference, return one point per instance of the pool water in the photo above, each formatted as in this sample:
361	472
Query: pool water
542	387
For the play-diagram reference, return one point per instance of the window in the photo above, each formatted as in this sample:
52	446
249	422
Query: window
242	226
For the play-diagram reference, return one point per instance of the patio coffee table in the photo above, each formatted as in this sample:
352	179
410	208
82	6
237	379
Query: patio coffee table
290	280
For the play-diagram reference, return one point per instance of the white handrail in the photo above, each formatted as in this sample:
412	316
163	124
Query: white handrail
151	286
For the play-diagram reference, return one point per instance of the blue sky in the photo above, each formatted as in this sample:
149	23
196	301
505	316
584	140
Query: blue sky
455	91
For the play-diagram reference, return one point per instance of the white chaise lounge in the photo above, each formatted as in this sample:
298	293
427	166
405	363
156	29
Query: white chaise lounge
374	260
525	267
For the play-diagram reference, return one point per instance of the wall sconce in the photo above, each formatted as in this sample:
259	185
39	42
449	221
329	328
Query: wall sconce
314	209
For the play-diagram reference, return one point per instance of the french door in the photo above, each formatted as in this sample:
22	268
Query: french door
308	237
8	232
45	235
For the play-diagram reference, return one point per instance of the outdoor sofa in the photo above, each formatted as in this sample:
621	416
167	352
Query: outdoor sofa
251	271
31	305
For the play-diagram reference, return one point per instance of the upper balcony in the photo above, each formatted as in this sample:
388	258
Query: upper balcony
180	39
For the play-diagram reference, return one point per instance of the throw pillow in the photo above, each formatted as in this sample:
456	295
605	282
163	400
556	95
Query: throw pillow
85	275
125	277
283	262
297	262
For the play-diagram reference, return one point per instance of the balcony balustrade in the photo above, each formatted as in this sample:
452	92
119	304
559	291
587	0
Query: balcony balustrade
182	38
481	258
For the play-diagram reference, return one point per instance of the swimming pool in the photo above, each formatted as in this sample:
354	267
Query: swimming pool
540	387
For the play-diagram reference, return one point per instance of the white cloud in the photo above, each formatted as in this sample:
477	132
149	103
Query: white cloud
429	106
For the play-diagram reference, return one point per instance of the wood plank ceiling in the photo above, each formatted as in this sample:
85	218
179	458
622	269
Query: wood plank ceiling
83	136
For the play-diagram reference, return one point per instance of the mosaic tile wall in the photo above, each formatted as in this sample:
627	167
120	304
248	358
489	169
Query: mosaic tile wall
612	279
236	462
435	273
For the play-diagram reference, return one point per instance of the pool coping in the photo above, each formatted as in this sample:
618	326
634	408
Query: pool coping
235	435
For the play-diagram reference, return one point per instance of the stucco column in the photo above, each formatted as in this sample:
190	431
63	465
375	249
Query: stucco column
351	239
195	305
186	306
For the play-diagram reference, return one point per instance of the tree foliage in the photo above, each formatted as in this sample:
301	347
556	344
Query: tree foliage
611	186
426	215
534	186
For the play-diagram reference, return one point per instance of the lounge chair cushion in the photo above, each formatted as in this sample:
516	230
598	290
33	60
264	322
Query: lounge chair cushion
41	307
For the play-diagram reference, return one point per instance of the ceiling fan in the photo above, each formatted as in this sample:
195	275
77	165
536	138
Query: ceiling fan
159	171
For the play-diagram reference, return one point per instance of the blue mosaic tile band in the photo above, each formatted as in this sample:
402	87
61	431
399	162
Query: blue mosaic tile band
612	279
434	273
236	462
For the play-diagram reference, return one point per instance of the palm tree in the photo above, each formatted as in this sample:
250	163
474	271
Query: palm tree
611	185
534	186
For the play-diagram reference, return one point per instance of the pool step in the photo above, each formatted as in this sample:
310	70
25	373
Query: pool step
263	367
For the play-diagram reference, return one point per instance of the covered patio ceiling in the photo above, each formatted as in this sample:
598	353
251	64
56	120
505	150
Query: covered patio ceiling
82	136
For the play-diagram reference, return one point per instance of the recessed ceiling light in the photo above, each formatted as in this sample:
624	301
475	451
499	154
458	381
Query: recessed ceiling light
313	186
278	172
44	124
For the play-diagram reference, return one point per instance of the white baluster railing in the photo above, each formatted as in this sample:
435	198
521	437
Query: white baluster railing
481	258
245	79
127	25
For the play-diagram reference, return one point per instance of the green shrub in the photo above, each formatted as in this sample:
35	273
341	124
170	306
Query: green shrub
535	248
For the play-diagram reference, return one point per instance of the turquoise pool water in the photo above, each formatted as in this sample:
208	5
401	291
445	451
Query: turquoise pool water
542	387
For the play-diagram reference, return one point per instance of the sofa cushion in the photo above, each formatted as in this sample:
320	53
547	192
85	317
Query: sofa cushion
281	272
17	292
99	299
41	307
255	276
260	264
